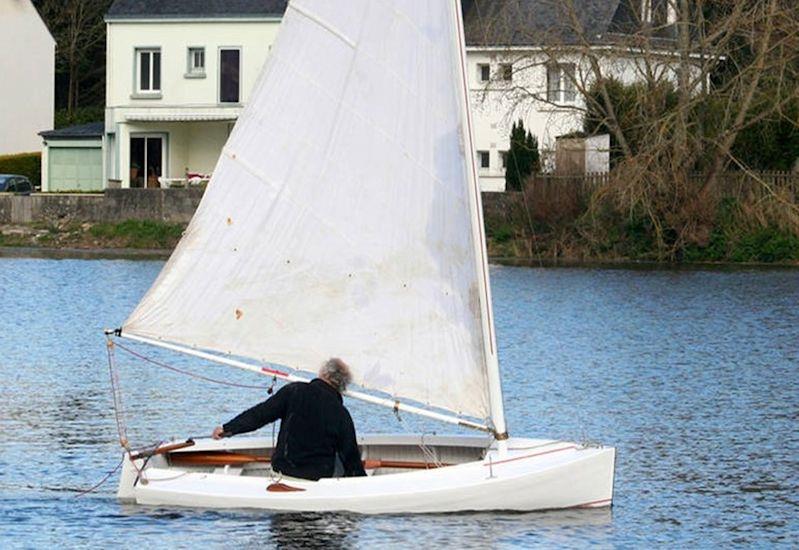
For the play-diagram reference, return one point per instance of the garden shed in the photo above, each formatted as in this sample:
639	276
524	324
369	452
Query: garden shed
72	158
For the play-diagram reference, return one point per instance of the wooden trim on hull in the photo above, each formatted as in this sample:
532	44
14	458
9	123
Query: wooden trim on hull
223	458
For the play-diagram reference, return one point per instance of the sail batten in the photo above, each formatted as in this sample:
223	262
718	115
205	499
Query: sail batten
341	219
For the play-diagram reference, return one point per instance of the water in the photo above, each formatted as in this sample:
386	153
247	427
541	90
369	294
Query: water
692	375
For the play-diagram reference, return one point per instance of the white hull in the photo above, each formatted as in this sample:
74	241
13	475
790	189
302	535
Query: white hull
532	474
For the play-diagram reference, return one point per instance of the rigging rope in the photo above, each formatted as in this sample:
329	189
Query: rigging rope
187	373
102	481
116	396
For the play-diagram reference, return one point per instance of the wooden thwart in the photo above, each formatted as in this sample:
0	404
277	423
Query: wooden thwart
403	464
223	458
215	458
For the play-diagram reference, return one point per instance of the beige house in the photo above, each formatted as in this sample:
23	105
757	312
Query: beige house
27	73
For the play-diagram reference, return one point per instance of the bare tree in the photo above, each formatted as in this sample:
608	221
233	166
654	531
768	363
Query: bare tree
701	72
78	28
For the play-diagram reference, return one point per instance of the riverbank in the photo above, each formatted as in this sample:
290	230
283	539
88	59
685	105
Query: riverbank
134	237
156	240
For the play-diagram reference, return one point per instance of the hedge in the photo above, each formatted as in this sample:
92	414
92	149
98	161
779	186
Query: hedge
25	164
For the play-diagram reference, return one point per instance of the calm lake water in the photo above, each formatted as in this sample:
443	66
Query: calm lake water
692	375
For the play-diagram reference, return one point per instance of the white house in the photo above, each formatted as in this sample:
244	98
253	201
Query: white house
27	73
178	75
527	61
180	71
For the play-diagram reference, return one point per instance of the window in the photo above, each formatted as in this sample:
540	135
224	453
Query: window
658	12
503	159
506	72
196	61
483	72
483	160
229	75
148	70
560	83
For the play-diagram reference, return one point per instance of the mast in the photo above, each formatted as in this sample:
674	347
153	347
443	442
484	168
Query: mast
479	240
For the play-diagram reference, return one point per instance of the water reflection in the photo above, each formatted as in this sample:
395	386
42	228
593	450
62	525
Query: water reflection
290	531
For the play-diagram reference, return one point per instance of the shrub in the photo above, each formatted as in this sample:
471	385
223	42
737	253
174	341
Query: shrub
523	158
25	164
503	233
766	245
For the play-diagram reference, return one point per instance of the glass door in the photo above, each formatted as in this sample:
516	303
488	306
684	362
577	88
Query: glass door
146	161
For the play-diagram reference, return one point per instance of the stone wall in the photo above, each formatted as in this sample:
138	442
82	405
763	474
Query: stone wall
167	205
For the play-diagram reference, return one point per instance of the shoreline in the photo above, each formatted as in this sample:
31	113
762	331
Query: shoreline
101	253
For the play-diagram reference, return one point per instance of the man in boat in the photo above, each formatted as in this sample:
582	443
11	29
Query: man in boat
316	430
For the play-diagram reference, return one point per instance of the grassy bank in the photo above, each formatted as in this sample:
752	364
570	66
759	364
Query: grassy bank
743	220
539	225
130	234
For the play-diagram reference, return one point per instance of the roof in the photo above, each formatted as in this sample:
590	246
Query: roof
81	131
537	22
489	23
178	9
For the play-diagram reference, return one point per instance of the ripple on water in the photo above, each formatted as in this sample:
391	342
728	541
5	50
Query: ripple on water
692	375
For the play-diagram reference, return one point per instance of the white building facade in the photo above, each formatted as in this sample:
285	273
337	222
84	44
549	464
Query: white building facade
178	78
27	73
175	87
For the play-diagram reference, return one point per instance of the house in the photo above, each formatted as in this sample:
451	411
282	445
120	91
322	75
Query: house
527	61
27	66
180	71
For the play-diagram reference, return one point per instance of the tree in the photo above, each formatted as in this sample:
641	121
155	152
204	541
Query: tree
712	78
79	30
523	158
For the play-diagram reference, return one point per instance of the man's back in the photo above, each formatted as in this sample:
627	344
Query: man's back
315	427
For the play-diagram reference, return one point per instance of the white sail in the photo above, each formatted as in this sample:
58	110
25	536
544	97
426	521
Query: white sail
341	218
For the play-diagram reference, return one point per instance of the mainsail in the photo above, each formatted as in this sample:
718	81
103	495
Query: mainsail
342	218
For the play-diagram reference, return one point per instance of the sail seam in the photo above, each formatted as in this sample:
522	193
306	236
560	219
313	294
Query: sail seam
322	23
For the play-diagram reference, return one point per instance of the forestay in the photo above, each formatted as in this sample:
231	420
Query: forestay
341	219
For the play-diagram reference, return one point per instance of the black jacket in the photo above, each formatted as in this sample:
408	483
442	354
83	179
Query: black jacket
315	427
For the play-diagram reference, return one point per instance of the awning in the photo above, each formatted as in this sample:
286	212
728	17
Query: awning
181	117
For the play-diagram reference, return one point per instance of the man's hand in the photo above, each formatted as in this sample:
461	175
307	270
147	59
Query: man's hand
218	433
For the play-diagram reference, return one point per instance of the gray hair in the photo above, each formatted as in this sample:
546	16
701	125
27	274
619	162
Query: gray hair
336	373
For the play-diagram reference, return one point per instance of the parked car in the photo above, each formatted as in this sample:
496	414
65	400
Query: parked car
13	183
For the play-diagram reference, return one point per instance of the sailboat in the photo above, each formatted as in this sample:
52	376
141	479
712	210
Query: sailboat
344	219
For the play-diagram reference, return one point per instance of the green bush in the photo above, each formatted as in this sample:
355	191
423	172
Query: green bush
25	164
523	158
503	233
766	245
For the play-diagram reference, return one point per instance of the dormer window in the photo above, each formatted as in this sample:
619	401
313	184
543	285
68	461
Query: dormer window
196	65
148	70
